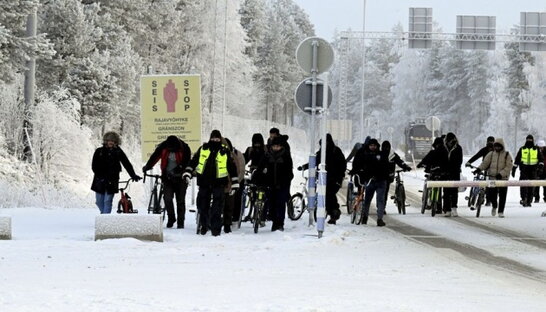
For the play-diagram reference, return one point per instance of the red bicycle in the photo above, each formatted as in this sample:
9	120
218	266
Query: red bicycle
124	204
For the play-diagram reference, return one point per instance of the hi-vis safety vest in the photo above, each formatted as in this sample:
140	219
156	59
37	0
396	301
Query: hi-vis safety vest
221	163
529	156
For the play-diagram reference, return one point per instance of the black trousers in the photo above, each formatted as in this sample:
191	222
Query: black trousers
210	216
492	196
172	188
332	205
527	173
451	198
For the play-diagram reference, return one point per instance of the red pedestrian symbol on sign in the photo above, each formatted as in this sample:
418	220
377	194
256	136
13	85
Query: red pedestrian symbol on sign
170	95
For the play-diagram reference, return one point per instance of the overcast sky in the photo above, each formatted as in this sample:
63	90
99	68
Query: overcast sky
381	15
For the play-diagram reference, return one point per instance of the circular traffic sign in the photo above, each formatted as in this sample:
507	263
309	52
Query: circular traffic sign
325	55
433	122
304	92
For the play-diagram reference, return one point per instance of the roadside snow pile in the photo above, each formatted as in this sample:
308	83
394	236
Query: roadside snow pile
5	228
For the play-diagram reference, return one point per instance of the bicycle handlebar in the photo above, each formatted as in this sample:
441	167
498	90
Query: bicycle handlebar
156	176
126	184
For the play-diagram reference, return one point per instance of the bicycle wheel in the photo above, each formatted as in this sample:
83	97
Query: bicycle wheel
350	198
120	207
424	200
256	216
479	202
401	199
296	207
433	207
434	201
356	217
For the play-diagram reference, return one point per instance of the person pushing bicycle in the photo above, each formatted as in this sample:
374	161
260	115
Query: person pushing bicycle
393	160
213	166
175	156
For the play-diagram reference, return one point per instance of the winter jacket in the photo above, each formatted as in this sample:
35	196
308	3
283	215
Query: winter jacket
518	161
275	170
480	154
435	160
497	162
370	165
335	162
256	152
209	175
106	167
182	153
454	160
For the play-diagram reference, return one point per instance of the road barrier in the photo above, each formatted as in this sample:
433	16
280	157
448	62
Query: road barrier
486	183
143	227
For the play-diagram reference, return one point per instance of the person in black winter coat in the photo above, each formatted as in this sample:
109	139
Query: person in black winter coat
453	169
256	152
435	163
175	156
274	133
275	172
482	152
372	168
106	165
213	166
393	160
335	168
357	147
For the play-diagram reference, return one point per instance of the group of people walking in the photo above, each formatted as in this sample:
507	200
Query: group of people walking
219	169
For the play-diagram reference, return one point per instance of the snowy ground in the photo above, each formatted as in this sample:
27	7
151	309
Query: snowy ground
462	264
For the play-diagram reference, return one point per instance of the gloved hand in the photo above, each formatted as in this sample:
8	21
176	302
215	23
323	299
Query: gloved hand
514	171
234	188
498	176
187	177
477	171
540	167
420	165
300	168
144	169
136	178
407	168
468	165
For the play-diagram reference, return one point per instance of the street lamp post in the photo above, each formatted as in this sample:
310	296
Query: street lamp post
363	73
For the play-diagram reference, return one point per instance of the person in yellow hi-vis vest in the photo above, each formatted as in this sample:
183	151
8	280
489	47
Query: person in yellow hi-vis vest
212	164
530	162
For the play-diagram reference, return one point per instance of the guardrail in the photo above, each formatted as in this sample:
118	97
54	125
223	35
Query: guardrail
487	183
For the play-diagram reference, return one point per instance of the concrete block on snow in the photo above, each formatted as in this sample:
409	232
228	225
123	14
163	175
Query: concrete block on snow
143	227
5	228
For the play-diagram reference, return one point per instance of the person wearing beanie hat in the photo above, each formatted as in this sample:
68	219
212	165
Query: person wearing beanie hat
372	168
106	166
273	133
335	172
254	153
214	168
275	172
175	156
530	161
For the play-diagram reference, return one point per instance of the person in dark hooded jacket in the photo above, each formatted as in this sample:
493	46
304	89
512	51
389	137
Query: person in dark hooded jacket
275	172
274	133
106	165
335	168
372	168
254	154
435	163
175	156
357	147
454	162
393	160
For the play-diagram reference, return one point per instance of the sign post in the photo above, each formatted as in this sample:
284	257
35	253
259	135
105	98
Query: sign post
315	56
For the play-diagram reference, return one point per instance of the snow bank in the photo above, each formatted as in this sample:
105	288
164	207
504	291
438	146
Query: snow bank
5	228
143	227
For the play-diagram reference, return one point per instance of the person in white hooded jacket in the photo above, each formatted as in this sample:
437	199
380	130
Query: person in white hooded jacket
498	164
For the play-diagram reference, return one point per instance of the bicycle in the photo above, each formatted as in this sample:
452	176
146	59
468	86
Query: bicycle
477	194
356	213
259	208
298	202
431	196
248	196
156	205
399	196
350	196
124	204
